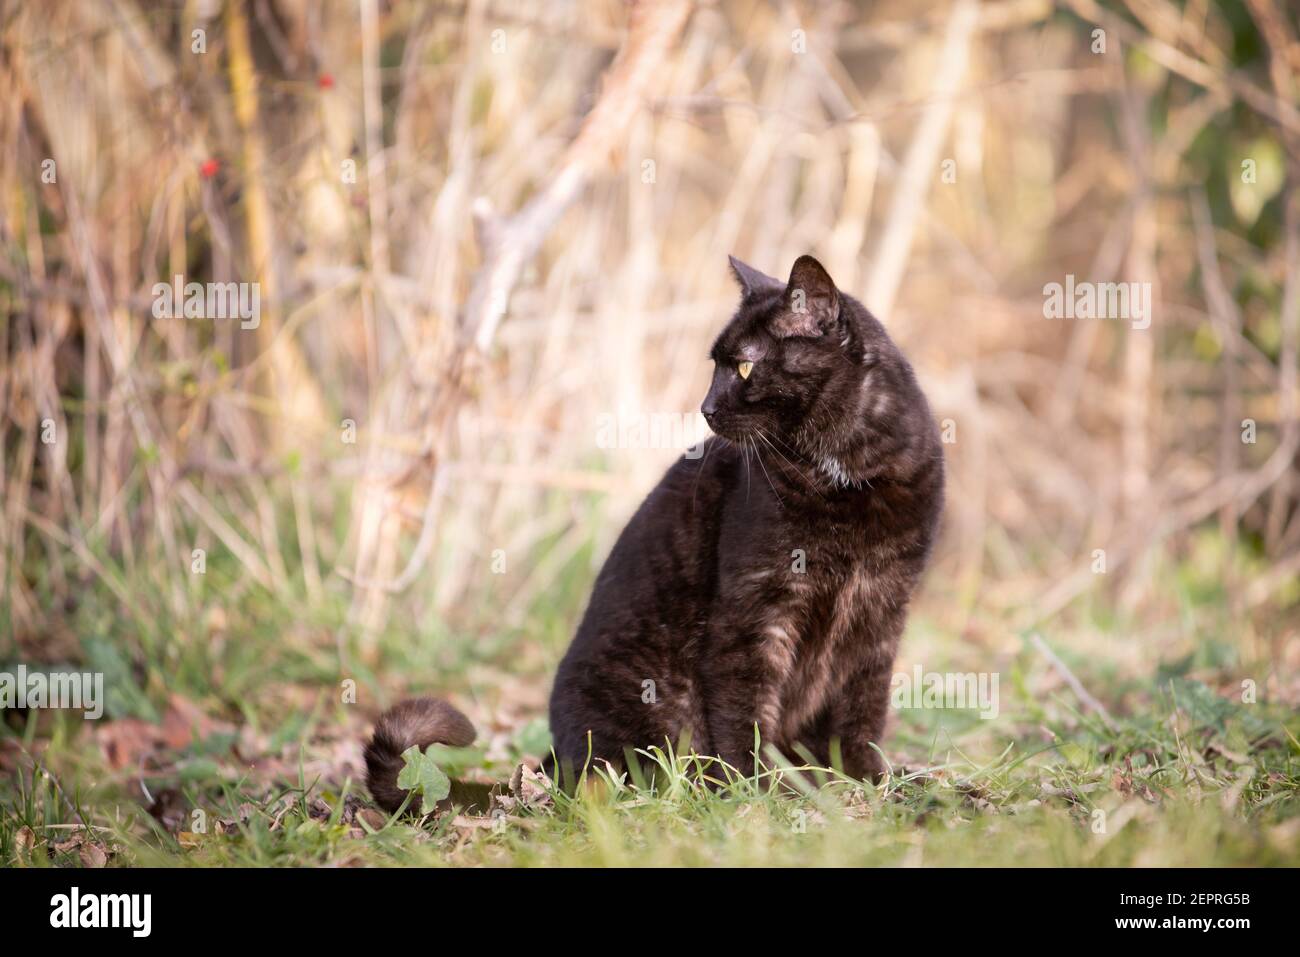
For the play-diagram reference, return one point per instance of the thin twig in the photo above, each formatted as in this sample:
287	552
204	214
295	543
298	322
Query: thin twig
1082	693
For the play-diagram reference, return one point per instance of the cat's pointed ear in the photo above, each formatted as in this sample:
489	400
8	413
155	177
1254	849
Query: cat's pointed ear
751	280
812	303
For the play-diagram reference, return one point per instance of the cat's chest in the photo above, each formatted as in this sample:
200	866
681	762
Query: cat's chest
797	591
768	552
809	626
801	579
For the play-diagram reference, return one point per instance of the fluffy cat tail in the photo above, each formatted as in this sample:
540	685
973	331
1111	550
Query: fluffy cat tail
411	723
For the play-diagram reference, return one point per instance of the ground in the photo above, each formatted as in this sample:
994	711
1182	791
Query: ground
233	737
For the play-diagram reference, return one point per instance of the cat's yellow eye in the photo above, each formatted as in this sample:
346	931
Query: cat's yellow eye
745	368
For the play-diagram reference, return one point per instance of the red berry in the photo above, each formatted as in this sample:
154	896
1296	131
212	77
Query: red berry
325	81
208	168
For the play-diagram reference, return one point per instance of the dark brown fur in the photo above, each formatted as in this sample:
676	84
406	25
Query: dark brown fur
415	722
705	621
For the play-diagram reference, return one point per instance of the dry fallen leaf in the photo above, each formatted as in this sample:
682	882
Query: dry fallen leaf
126	740
71	844
531	788
92	855
374	819
24	841
170	808
185	723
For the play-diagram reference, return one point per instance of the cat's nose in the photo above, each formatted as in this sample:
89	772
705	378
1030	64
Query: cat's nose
708	410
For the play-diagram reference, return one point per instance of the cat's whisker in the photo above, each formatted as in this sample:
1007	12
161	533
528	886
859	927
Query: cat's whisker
785	445
812	485
768	442
745	449
759	455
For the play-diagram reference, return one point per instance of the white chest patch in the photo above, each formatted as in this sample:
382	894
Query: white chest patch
835	471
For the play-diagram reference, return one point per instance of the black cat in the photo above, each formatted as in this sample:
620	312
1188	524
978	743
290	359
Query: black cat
765	583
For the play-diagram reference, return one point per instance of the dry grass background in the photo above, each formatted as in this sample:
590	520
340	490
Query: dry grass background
499	274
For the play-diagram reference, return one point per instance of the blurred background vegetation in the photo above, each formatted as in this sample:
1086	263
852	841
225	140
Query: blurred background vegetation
478	228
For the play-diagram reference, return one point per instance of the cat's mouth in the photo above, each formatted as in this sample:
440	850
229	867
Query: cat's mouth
725	428
737	433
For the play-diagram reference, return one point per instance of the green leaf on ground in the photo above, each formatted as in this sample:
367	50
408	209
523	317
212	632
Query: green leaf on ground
423	776
534	738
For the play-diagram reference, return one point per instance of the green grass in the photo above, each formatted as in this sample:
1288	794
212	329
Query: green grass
266	748
1154	792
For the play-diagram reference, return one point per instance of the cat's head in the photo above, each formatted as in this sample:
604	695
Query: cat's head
789	346
809	368
813	372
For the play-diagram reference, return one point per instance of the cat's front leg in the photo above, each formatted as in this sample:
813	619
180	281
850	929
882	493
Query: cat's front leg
741	696
858	720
